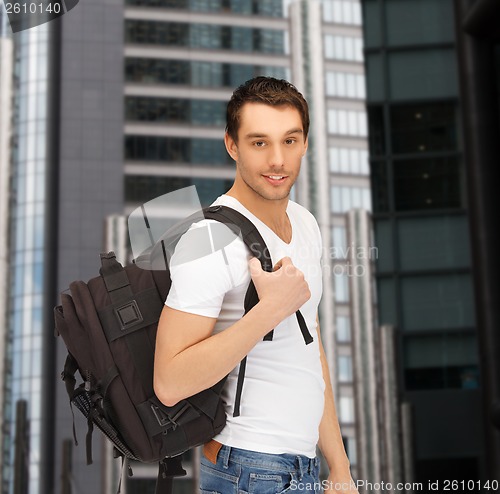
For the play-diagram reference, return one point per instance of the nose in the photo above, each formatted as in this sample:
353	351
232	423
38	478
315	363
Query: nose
276	156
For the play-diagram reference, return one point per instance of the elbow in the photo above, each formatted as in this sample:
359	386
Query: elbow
165	393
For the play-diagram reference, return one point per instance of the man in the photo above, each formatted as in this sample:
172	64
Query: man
287	405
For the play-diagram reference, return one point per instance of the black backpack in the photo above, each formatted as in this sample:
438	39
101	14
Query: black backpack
109	327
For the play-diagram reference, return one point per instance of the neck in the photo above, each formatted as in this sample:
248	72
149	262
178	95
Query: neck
269	211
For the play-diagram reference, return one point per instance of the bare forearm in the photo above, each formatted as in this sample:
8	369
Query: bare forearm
330	436
205	363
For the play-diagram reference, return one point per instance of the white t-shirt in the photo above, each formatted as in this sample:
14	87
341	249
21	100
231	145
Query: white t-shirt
283	392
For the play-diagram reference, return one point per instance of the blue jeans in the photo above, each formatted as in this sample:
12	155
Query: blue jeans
239	471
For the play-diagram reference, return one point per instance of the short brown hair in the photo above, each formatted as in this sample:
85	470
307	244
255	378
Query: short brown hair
269	91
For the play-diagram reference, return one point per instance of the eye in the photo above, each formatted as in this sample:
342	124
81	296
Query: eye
290	140
259	144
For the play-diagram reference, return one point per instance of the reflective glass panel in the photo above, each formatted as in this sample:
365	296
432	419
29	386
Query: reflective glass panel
424	127
201	36
344	368
386	293
384	242
196	73
437	302
423	74
141	188
417	22
376	135
380	186
343	328
445	360
346	409
176	150
433	243
372	22
423	184
269	8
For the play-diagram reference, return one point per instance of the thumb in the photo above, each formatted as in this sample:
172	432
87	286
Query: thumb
255	266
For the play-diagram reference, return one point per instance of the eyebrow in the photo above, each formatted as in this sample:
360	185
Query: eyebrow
255	135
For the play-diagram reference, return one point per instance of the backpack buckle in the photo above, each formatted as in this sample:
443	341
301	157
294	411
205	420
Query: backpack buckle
128	315
164	419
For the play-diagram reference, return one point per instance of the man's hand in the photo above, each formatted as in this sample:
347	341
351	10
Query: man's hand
285	289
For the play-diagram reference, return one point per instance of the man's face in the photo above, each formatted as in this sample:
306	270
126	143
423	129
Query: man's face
269	151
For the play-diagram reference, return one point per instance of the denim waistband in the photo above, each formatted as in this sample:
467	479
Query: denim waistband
273	462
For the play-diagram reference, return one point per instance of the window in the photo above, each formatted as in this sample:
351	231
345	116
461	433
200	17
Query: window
209	36
343	329
346	409
342	11
169	110
376	83
142	188
384	238
345	85
437	302
423	74
339	242
386	294
419	21
349	161
204	74
347	122
433	242
377	133
345	198
176	150
268	8
371	23
443	360
341	286
424	127
352	451
423	184
344	363
346	48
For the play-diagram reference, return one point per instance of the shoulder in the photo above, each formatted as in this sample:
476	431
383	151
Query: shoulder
302	214
207	243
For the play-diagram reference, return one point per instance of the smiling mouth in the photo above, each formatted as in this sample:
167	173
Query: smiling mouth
275	179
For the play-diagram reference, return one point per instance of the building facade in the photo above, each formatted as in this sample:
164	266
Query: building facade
6	56
423	210
27	397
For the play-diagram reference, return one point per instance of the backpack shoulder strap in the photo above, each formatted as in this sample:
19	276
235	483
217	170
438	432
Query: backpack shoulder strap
252	239
255	243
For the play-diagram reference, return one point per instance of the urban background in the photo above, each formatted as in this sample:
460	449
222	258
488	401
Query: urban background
120	101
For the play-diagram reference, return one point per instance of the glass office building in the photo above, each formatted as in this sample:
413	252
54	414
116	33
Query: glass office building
55	218
419	160
6	58
28	403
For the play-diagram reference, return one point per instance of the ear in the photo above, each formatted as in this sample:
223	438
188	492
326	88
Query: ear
306	145
231	146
